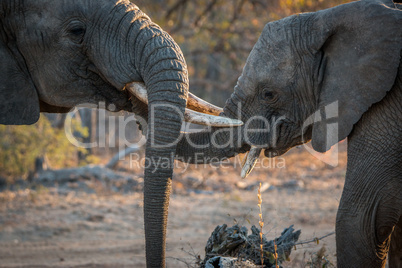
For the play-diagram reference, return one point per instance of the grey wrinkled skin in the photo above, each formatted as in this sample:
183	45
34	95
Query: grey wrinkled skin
343	66
56	54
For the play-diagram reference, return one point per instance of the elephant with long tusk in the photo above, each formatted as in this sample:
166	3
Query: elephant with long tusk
56	54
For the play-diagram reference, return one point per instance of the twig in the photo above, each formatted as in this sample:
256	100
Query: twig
205	12
183	261
170	12
316	239
261	223
237	10
120	156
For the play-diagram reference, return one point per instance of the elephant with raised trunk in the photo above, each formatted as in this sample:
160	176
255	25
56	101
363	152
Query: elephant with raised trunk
56	54
325	76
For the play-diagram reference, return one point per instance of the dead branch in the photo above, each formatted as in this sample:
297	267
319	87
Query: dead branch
175	7
207	10
237	10
121	155
98	172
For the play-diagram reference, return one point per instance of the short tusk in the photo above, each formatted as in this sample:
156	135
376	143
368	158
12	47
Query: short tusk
197	104
250	160
139	90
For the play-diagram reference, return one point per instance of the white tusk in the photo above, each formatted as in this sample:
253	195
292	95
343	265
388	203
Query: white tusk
139	90
250	160
199	105
193	102
210	120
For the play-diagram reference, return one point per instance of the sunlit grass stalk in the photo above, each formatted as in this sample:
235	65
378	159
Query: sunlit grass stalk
261	222
276	255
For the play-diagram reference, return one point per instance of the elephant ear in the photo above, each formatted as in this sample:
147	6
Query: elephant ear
19	102
361	51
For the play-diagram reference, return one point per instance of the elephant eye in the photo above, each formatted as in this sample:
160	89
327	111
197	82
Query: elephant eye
269	95
76	31
79	31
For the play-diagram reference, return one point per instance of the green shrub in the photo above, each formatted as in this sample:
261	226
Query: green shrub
21	145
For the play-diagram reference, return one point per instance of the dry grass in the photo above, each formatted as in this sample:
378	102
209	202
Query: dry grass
261	223
39	224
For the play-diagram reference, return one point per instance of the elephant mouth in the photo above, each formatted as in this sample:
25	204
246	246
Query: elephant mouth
253	155
198	111
274	152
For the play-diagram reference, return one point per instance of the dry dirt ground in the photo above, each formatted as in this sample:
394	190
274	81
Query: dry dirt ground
104	228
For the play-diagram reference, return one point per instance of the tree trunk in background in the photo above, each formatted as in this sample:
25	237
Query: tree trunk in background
213	69
93	129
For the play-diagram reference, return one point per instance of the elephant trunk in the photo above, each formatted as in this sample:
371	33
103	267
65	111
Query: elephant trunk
164	129
164	72
136	50
207	146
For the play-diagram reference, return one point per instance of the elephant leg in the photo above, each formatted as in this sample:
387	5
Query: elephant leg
371	203
370	207
363	233
355	240
395	251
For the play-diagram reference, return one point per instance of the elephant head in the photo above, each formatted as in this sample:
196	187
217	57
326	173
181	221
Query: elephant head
56	54
312	76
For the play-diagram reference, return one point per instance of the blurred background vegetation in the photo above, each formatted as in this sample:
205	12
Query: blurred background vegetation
215	36
26	148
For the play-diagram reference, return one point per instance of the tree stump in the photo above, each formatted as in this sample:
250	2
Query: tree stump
233	247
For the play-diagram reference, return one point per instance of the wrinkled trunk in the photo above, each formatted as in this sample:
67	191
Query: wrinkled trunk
166	87
214	144
150	55
206	146
163	130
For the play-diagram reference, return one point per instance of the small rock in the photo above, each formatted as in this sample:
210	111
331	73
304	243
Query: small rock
293	184
242	185
196	191
194	182
96	218
264	186
228	262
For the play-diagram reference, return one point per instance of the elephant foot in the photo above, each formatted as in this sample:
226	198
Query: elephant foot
395	251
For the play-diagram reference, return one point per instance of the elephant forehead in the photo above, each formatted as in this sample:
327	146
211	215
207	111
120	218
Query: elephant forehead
265	65
47	6
67	8
51	13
